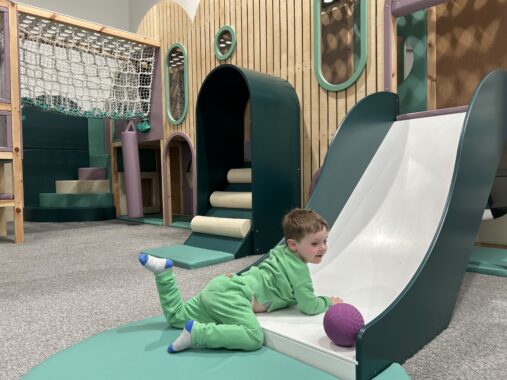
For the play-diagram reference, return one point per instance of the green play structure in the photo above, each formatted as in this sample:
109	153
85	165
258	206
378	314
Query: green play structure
266	141
55	148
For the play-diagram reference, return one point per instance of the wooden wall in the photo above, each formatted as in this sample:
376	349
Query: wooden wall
274	37
471	40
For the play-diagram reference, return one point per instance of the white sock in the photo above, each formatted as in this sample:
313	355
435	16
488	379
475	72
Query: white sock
184	341
155	264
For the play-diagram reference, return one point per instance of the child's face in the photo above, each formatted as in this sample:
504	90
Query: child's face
310	248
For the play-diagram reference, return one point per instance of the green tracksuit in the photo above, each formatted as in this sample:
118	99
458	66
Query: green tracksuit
223	312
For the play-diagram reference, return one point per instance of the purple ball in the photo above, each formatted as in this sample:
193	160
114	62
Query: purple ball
342	323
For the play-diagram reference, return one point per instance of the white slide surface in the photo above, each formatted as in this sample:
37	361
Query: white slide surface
380	238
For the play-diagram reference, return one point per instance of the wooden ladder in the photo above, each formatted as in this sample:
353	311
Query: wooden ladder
11	108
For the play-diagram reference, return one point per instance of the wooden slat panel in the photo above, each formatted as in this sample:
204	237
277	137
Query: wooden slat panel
306	98
276	37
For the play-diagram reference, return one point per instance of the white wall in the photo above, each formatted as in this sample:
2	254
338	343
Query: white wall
121	14
115	13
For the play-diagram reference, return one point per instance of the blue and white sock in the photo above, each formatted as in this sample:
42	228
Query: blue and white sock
184	341
155	264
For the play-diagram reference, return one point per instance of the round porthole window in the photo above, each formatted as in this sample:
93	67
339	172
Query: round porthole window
225	42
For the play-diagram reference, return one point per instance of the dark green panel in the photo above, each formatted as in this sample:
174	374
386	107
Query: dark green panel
46	130
276	180
237	213
214	242
42	167
219	133
425	307
147	160
356	142
77	214
96	135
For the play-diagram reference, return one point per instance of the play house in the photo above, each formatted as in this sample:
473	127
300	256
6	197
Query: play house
387	117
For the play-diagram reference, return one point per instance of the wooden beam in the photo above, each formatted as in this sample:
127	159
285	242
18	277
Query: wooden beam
17	166
5	155
5	107
87	25
431	82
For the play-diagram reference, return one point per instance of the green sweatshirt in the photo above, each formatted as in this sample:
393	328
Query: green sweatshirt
283	280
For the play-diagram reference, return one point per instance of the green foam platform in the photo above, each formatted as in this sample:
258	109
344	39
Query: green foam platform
76	200
236	213
186	256
139	351
488	260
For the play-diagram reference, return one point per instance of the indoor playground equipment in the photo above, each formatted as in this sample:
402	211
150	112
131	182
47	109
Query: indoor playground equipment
248	171
403	221
404	197
70	67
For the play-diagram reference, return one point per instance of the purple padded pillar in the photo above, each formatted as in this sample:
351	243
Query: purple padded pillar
132	171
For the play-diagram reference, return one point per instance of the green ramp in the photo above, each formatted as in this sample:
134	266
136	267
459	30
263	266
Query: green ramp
488	260
139	351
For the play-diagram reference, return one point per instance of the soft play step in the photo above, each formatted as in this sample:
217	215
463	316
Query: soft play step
231	227
240	175
231	199
82	186
76	200
190	257
68	214
92	173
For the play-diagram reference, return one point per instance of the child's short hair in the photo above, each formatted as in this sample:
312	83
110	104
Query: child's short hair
298	223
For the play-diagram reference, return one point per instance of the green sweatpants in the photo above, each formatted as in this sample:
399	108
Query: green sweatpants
222	312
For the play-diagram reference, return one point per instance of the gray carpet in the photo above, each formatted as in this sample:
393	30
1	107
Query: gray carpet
69	281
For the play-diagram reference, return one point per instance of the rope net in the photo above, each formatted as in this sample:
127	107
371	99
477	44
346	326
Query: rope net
78	72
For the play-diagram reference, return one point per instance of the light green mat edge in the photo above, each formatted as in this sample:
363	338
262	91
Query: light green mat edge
189	257
139	351
488	260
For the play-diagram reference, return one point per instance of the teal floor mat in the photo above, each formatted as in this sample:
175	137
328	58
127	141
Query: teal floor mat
488	260
153	219
181	221
189	257
139	351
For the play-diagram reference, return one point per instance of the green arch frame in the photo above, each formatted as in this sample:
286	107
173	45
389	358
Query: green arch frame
230	29
170	117
317	59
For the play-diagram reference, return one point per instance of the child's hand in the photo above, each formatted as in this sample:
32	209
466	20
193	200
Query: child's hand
336	300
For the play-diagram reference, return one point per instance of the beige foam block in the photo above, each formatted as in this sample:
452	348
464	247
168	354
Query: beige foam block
82	186
239	175
231	199
236	228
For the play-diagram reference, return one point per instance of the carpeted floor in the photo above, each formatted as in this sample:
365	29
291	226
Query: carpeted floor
69	281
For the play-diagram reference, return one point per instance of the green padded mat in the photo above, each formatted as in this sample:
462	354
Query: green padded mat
138	351
393	372
153	219
488	260
190	257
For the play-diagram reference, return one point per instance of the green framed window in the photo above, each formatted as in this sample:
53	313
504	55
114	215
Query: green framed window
340	46
225	42
176	83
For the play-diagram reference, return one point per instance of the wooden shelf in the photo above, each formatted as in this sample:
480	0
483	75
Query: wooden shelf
7	203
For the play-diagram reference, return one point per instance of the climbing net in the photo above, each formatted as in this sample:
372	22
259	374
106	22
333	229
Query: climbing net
68	69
